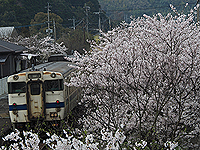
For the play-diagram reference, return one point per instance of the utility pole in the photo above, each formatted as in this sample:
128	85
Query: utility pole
197	4
109	24
98	13
84	30
125	17
87	8
74	25
54	27
48	22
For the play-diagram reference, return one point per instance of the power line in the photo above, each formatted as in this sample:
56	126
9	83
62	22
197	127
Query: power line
30	25
79	23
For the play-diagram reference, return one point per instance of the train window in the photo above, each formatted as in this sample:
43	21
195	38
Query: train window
16	87
35	88
54	85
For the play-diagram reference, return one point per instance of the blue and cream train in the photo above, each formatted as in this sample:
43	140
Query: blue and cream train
41	95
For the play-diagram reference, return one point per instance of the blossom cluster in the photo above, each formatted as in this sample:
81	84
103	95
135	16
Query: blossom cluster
32	141
109	141
43	47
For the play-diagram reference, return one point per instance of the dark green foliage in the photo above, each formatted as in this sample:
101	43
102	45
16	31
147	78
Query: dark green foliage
75	40
24	13
122	9
20	12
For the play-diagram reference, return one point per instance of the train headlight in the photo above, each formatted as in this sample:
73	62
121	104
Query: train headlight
53	115
53	75
15	77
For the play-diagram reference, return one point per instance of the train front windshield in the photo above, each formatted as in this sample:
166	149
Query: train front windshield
50	85
54	85
16	87
35	89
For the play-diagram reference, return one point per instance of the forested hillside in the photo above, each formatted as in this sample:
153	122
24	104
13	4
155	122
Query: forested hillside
30	18
122	9
20	12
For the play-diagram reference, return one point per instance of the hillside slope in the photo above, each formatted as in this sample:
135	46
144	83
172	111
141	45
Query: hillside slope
122	9
20	12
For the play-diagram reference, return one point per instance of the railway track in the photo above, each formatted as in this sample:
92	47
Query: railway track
4	112
5	124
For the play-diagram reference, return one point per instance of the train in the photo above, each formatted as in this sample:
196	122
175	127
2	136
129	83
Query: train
40	94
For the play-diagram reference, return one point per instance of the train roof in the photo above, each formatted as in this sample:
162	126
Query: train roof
61	66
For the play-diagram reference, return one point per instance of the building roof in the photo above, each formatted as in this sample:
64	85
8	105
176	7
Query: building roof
6	47
6	31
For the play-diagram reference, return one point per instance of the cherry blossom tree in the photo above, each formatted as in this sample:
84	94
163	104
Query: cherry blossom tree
43	47
143	78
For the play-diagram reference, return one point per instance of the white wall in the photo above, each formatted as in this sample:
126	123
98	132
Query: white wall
3	86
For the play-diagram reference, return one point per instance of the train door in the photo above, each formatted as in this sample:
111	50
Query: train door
35	100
